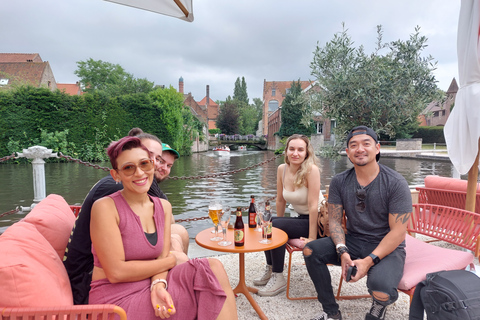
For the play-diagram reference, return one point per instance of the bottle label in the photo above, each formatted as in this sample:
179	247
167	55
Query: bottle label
251	220
238	234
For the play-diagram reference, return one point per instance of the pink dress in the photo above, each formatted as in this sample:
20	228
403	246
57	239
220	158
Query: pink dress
195	290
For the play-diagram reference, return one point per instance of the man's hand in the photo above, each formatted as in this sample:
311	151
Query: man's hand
363	265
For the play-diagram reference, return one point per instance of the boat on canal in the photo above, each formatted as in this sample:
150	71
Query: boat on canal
221	151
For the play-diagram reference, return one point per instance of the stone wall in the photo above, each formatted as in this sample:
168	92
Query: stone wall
409	144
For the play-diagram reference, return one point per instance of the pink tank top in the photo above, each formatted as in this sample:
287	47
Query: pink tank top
135	242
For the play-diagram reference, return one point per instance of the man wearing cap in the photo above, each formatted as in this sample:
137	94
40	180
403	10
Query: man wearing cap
166	161
377	203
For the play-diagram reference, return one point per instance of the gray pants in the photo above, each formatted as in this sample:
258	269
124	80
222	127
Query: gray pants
383	277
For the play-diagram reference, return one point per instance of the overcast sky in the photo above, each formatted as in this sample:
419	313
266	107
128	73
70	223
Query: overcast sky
256	39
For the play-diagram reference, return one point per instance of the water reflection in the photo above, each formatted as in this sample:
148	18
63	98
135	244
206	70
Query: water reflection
190	198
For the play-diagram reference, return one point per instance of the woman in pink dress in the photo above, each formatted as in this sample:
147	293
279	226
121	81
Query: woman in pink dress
133	267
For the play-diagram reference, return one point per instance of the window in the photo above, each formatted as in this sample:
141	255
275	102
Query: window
287	91
319	128
443	112
272	105
273	92
333	124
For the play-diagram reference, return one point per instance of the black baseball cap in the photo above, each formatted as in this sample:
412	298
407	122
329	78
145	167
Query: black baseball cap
363	130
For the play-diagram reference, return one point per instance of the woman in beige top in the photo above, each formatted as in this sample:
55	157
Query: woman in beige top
298	183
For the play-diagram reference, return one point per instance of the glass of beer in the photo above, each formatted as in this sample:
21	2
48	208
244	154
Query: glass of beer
266	217
215	213
260	208
224	221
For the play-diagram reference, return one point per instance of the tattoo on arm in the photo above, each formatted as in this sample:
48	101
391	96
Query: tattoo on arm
335	216
402	217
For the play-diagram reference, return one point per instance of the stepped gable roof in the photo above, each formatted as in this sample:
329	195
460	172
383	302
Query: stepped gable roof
29	72
72	89
20	57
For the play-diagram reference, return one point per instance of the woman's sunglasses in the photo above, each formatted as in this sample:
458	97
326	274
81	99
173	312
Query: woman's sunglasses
130	168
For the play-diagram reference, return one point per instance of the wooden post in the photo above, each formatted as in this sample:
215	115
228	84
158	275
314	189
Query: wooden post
472	184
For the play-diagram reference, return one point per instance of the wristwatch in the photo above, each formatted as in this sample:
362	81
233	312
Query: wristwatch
374	258
341	249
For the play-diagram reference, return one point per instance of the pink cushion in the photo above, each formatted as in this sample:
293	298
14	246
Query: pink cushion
437	182
296	243
423	258
31	272
54	220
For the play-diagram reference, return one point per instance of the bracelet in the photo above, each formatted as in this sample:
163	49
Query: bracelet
154	282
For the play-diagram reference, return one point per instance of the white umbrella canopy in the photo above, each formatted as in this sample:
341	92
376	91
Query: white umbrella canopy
462	130
182	9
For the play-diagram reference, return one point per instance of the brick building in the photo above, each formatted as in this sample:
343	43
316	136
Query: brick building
18	69
436	113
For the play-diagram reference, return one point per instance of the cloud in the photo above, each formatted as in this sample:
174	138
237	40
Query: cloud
259	40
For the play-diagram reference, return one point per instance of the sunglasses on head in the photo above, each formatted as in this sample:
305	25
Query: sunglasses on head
130	168
361	195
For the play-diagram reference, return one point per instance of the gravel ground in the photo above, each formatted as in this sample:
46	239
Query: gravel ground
281	308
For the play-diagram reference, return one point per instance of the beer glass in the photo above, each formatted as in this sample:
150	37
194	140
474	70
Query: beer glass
260	208
266	216
224	222
215	213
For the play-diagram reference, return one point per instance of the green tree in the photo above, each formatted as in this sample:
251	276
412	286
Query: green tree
109	77
168	117
384	91
228	117
240	91
296	113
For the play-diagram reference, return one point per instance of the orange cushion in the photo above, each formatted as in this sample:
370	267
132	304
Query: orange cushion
54	220
446	183
423	258
31	272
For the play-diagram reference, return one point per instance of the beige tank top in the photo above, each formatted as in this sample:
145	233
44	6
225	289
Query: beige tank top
297	198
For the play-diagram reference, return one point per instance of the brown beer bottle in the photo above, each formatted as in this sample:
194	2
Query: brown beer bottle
252	214
239	229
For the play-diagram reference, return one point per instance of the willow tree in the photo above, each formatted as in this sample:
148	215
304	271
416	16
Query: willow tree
385	90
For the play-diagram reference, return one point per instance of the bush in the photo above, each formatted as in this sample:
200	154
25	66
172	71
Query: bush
430	134
214	131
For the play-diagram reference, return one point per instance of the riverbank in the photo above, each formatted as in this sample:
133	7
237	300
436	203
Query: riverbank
281	308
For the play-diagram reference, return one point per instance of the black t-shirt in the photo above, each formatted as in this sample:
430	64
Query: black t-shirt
78	258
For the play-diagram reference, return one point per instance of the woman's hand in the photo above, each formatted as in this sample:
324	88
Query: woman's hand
162	302
306	240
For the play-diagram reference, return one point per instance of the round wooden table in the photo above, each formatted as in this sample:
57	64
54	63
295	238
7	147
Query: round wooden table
252	244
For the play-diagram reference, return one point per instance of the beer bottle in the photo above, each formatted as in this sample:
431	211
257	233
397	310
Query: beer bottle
268	213
239	229
252	214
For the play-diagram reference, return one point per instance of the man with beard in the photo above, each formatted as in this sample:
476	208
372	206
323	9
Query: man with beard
377	203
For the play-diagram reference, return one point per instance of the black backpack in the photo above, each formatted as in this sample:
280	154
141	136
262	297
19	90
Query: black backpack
447	295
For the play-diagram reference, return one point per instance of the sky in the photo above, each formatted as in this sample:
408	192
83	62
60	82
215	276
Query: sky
260	40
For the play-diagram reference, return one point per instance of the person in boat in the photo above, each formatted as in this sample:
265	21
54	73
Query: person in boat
298	182
133	265
78	259
377	203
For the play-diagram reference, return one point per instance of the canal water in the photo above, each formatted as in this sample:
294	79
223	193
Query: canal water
189	197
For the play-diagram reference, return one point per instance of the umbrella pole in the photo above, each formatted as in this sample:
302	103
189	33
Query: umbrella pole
472	184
